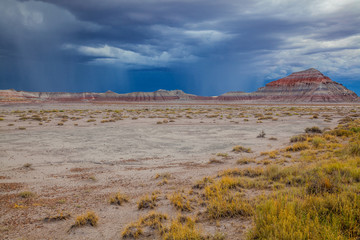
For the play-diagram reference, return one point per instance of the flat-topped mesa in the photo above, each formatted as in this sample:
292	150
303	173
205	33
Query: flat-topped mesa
309	76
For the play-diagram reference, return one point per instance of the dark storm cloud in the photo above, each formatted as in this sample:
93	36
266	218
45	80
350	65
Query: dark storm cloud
219	45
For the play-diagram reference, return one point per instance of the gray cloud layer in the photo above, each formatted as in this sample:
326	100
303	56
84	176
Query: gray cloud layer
223	45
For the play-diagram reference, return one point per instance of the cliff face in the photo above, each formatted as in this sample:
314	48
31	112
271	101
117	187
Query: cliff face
305	86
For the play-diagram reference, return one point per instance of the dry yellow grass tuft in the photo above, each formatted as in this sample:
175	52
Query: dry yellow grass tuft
148	201
180	201
298	147
118	199
89	218
241	149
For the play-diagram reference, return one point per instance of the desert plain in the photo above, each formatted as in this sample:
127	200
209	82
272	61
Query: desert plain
61	160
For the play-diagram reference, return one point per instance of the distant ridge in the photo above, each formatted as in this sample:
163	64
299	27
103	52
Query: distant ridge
300	87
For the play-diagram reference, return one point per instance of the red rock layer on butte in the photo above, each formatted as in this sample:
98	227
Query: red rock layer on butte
310	76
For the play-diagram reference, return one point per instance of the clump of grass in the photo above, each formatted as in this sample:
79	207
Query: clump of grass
118	199
153	220
313	130
183	228
246	172
27	165
297	147
148	201
319	184
203	182
271	154
180	201
245	160
162	175
89	218
58	217
216	161
354	149
92	178
163	182
341	132
298	138
133	230
26	194
275	173
239	148
22	128
222	203
224	155
317	141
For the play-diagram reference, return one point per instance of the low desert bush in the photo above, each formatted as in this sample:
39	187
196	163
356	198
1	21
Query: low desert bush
27	165
148	201
180	201
221	202
89	218
354	149
320	184
317	141
26	194
133	230
246	172
261	134
313	130
203	183
224	155
297	147
341	132
162	175
298	138
183	228
216	161
118	199
245	161
241	149
58	217
153	221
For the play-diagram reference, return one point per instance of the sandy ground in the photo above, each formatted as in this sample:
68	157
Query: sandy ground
74	166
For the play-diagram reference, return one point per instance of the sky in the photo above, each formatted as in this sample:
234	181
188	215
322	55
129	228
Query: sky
203	47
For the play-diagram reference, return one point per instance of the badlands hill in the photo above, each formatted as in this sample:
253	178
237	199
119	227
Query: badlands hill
301	87
305	86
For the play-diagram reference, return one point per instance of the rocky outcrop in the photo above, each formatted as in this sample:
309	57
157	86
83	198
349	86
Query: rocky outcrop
305	86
